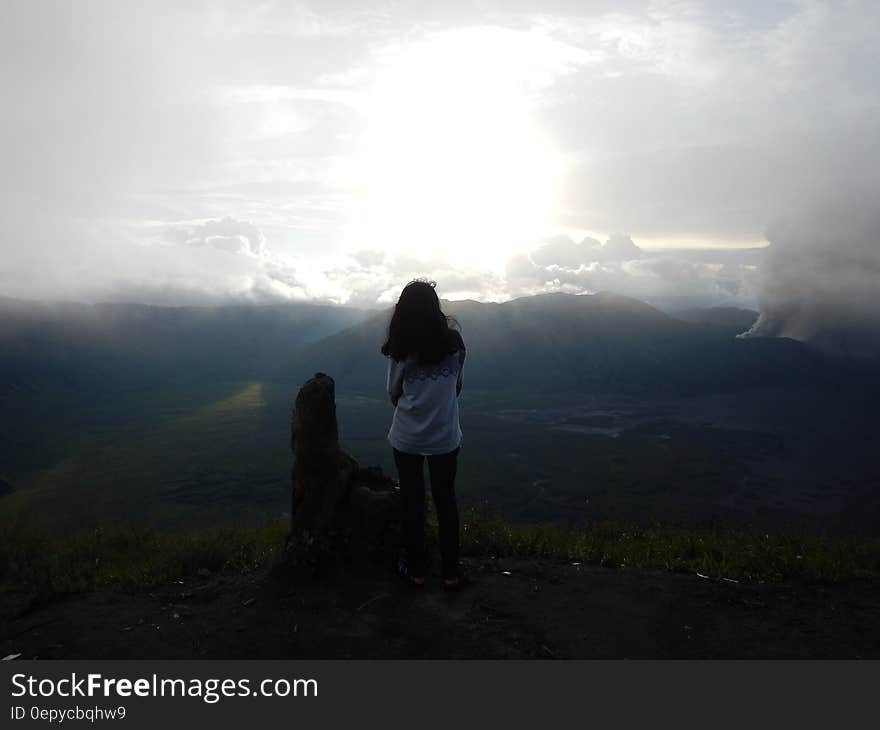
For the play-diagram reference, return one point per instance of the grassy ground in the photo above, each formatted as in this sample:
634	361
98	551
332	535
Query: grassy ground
36	568
714	551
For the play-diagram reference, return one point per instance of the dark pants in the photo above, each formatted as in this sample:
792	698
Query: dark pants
410	469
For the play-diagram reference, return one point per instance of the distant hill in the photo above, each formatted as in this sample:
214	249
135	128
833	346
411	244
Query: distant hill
71	346
732	320
560	342
552	342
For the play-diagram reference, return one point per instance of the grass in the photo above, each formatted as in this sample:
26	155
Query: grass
39	567
716	551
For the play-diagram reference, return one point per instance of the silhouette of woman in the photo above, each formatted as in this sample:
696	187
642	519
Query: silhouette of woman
425	360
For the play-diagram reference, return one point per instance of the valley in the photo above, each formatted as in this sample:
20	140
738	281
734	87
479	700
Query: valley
615	412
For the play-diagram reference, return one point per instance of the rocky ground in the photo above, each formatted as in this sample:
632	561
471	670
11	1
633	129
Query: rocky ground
512	609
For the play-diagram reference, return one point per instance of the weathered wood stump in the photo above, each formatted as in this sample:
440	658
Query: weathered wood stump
339	511
321	470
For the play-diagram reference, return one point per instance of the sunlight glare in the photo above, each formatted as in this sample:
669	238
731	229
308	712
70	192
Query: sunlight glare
455	167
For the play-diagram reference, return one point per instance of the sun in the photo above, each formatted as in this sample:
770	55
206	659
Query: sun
455	167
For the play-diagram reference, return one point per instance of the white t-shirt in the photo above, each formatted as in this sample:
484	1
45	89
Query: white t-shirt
425	399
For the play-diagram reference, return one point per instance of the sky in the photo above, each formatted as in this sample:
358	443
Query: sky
687	153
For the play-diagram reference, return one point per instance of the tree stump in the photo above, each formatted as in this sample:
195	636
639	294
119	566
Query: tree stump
321	470
338	510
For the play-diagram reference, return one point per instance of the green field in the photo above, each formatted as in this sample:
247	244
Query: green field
167	457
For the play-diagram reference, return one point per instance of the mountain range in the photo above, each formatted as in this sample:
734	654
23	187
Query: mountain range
81	347
574	408
552	342
585	343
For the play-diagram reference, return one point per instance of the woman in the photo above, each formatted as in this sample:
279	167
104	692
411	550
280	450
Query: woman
425	360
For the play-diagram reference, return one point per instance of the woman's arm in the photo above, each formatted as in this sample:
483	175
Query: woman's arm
394	380
461	356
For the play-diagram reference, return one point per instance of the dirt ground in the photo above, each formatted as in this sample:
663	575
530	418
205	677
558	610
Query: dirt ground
512	609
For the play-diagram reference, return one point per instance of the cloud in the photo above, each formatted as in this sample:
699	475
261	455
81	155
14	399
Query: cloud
210	262
379	282
715	122
820	281
226	234
563	251
368	258
194	152
668	279
620	248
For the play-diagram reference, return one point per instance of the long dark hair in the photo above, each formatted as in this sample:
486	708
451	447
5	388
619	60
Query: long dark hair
419	327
